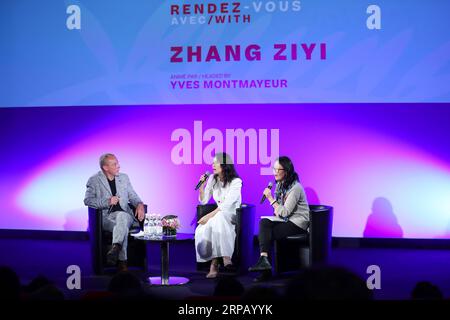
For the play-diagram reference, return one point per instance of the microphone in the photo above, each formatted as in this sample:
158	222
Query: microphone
205	177
112	206
264	196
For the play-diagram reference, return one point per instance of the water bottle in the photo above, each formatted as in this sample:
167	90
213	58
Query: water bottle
146	225
159	228
152	226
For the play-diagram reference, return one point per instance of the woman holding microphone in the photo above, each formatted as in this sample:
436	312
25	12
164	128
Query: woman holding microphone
215	234
291	213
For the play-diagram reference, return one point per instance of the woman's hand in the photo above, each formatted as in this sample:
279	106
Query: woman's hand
203	179
268	193
205	219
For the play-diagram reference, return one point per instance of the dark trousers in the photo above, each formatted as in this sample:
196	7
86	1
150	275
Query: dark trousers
271	230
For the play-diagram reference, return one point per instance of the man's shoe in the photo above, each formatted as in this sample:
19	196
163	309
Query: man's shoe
264	276
263	264
122	266
113	255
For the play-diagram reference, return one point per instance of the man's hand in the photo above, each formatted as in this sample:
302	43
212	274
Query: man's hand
140	212
205	219
113	200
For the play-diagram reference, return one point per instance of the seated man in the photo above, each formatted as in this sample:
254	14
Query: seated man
111	192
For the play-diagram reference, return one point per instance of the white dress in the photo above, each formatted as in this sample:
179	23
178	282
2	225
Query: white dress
216	238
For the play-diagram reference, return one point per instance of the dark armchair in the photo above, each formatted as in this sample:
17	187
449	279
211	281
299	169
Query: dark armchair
309	249
100	241
243	248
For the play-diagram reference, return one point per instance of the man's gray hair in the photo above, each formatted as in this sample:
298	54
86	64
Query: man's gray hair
104	157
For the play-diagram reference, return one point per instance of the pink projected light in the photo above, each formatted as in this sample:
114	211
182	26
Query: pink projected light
56	190
362	173
354	170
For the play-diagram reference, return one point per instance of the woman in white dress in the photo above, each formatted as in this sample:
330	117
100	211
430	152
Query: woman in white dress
215	234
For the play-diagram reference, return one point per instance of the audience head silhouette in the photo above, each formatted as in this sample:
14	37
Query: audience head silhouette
228	287
260	293
9	284
328	283
125	284
41	288
425	290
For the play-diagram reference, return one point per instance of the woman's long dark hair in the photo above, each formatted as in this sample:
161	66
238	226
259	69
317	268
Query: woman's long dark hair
229	172
291	176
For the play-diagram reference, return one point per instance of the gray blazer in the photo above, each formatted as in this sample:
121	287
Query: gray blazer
98	192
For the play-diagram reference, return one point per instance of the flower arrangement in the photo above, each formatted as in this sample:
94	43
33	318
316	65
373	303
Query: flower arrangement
170	225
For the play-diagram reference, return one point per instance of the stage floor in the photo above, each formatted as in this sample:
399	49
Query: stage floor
401	269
